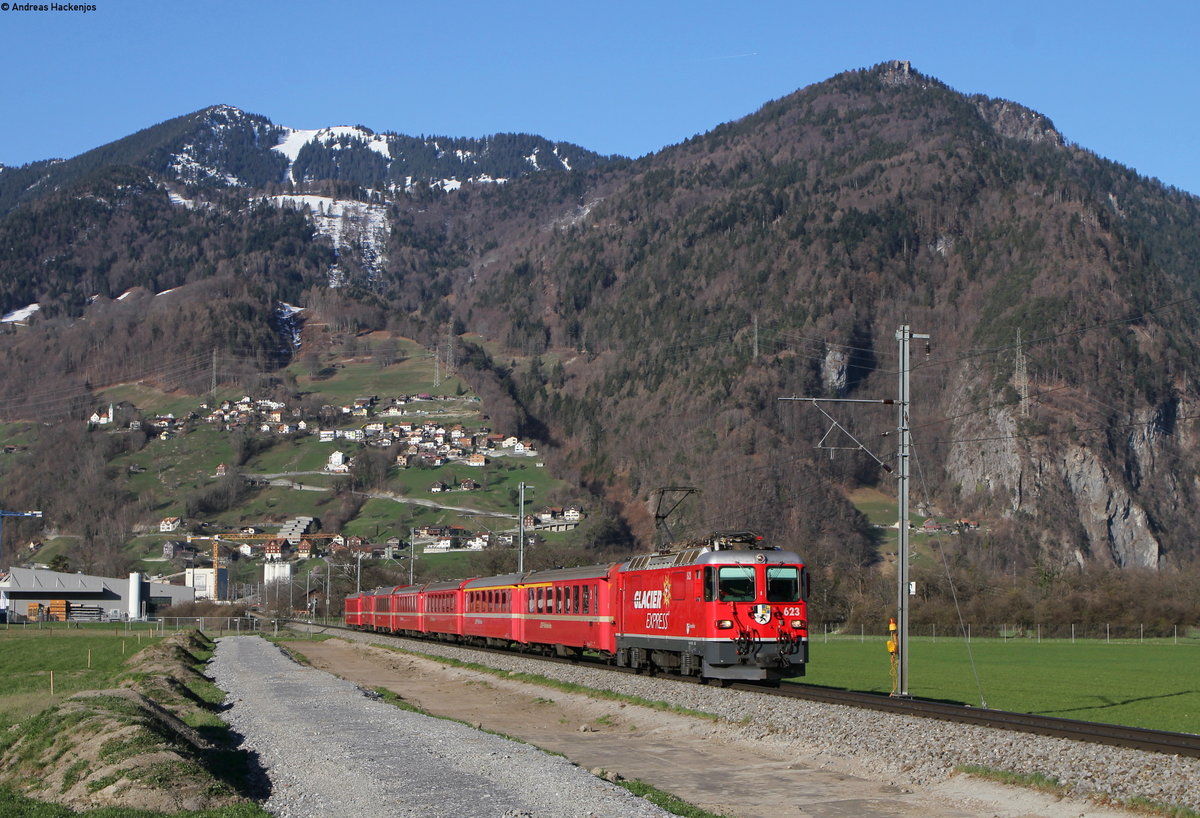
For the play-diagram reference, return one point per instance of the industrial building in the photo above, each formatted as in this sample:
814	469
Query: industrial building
30	594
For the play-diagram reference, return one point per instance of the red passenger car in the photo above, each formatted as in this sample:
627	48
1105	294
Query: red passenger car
728	607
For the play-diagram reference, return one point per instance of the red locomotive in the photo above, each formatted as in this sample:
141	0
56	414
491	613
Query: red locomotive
728	607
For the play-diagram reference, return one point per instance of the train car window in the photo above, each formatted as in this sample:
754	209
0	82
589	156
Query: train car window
587	599
576	593
557	600
735	583
783	583
710	582
529	601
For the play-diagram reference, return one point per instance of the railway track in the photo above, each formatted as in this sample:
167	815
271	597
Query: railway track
1137	738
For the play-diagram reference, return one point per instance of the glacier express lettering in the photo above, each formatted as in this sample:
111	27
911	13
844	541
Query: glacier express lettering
647	599
656	621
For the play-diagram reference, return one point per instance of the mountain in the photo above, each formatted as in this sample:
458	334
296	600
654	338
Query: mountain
642	319
1059	289
222	146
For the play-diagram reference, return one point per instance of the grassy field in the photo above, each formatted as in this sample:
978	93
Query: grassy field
28	655
353	379
1155	683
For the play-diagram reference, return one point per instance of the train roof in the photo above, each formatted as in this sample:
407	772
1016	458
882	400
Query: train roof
567	574
444	585
493	582
722	547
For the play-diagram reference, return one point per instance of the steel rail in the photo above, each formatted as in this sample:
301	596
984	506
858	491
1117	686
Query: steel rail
1116	735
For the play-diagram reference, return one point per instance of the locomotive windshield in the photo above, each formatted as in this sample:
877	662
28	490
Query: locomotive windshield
735	583
783	583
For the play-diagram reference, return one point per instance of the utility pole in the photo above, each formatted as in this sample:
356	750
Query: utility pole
412	554
903	589
521	530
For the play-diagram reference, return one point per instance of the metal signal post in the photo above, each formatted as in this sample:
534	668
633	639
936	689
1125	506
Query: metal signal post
903	590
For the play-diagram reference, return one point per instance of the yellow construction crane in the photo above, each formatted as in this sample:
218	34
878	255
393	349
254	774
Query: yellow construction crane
234	536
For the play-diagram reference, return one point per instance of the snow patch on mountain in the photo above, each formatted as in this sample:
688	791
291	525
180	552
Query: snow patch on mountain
287	324
348	224
21	315
295	139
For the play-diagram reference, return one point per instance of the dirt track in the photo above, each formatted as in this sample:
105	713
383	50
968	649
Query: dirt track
682	755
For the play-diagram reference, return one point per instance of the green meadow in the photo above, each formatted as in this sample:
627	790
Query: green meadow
1153	683
89	658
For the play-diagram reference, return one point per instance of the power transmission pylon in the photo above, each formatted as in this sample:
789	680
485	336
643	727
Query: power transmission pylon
1021	376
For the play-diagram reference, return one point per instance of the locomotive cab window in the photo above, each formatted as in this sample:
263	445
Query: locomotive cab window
783	583
735	583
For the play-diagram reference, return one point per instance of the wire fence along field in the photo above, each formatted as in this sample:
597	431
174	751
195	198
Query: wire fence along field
1103	673
1073	631
211	625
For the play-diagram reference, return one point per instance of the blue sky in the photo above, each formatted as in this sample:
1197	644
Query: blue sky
1120	79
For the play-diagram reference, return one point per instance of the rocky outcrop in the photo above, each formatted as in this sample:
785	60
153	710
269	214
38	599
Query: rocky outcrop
1031	474
1118	529
1017	121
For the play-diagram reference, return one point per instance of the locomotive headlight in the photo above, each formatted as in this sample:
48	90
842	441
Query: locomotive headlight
799	624
724	624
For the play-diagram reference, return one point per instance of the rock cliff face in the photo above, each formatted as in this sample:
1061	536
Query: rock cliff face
1030	474
1117	529
1017	121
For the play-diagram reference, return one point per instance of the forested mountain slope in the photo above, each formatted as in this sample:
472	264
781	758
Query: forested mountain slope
827	219
642	319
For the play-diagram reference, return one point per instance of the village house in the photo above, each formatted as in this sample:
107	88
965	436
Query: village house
170	524
338	463
276	549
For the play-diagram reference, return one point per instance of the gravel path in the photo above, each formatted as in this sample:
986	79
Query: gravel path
328	749
903	750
